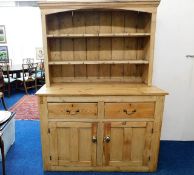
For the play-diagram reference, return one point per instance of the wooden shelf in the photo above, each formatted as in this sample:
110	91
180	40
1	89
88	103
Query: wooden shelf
100	62
99	35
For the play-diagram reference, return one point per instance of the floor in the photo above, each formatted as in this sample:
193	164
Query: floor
15	96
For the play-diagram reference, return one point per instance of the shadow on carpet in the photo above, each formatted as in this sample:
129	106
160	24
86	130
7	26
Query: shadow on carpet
26	108
24	158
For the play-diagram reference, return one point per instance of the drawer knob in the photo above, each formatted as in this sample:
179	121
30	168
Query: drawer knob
107	139
72	112
129	112
94	139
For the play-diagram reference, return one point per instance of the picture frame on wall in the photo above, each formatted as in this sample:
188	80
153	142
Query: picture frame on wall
39	53
2	34
4	55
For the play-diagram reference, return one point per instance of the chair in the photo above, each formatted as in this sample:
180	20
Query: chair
28	60
7	134
28	79
8	79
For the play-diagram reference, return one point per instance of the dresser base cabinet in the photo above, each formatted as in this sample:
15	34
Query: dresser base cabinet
100	133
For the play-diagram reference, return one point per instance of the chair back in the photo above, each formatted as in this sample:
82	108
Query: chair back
6	74
29	70
28	60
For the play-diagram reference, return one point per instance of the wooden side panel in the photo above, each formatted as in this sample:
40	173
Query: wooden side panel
42	104
149	71
46	51
155	145
65	22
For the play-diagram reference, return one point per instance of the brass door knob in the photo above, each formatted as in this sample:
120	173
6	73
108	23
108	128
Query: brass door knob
94	139
107	139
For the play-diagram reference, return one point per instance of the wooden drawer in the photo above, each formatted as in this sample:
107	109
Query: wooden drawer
129	110
72	110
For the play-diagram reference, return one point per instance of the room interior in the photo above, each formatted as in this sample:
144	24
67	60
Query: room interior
173	69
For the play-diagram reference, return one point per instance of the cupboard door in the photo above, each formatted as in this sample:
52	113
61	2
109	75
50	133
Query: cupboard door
127	143
73	143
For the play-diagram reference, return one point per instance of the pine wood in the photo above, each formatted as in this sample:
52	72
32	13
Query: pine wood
72	110
98	65
129	110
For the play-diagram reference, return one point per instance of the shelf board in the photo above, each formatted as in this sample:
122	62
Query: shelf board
98	35
100	62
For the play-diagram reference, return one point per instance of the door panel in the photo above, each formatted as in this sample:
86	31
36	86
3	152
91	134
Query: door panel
129	143
71	143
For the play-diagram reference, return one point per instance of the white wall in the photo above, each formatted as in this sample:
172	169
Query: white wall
23	31
172	71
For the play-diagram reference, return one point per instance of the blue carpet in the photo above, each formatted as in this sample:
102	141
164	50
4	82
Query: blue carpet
15	96
24	158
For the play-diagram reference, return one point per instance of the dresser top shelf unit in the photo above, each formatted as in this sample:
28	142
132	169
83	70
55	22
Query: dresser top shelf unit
99	41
